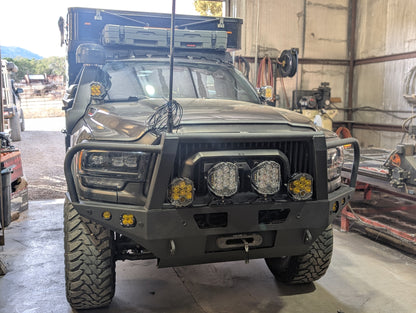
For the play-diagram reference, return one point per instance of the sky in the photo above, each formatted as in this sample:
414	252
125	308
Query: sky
33	24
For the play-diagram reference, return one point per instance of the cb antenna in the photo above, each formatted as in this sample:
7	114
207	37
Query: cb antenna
172	39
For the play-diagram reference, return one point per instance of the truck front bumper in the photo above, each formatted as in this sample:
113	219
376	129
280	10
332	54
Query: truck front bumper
176	236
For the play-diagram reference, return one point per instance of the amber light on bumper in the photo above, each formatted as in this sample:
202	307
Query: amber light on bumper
181	192
127	220
300	186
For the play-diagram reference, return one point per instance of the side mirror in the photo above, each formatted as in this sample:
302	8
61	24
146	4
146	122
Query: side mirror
68	99
19	90
266	93
11	67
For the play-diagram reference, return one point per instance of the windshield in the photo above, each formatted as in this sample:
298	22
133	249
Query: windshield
134	79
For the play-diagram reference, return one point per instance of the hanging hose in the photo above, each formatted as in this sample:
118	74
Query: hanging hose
343	132
245	69
265	75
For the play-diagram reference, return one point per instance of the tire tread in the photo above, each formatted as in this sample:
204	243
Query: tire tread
89	262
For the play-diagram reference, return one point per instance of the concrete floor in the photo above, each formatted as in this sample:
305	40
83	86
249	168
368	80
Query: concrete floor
364	277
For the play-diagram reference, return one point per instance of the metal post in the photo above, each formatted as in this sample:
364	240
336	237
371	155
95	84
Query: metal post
1	98
172	39
256	61
351	51
1	183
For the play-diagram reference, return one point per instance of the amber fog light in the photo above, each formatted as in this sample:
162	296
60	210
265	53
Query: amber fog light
128	220
181	192
300	186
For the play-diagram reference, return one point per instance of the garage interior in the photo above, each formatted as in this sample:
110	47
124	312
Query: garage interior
366	51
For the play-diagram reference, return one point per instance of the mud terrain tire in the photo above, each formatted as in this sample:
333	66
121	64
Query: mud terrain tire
89	261
303	269
15	134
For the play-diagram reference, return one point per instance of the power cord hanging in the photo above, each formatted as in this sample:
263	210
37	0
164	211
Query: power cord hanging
158	121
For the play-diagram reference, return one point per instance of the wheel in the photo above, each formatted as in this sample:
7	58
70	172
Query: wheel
303	269
89	261
15	134
22	121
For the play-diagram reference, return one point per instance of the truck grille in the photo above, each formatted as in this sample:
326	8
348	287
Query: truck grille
298	153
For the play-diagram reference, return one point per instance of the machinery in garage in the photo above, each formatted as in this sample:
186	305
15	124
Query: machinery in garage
387	180
316	104
13	118
14	193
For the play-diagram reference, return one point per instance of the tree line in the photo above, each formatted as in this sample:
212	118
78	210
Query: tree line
48	66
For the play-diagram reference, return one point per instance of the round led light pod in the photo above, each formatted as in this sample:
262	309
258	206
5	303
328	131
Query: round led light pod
266	178
223	179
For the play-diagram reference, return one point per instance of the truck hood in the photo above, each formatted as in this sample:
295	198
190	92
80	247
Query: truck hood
128	120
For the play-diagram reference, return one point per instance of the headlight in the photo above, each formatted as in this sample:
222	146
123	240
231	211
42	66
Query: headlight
265	178
335	161
112	169
300	186
223	179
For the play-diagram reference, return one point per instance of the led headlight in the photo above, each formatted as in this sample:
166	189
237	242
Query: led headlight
335	161
181	192
300	186
223	179
115	162
112	169
265	178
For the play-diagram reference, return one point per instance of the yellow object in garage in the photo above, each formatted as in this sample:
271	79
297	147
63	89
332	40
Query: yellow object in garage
321	118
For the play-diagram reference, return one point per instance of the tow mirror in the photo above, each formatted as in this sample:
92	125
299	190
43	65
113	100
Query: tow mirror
11	67
266	93
68	99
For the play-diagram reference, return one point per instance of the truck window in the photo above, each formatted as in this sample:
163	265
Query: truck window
151	80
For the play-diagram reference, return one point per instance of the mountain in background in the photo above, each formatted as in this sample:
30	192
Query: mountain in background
13	52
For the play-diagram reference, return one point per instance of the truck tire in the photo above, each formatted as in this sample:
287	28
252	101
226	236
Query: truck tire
89	261
15	134
303	269
22	121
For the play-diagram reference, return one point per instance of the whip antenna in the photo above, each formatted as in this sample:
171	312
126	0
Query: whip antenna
172	39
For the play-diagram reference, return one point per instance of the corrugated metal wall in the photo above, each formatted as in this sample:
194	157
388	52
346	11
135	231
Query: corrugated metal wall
384	27
319	28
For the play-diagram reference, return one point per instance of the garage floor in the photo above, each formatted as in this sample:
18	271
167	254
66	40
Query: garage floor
364	277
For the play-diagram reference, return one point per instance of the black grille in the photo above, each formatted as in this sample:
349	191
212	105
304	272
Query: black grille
298	152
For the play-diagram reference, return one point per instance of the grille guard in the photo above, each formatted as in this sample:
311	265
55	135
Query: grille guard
169	144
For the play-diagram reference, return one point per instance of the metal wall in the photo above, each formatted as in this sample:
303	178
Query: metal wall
320	29
384	27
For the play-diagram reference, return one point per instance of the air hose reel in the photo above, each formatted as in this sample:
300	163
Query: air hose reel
288	62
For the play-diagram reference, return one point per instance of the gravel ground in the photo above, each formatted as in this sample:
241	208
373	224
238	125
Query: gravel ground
43	152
